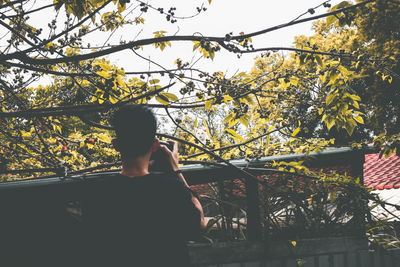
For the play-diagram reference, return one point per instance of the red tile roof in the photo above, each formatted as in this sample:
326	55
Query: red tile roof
383	173
379	174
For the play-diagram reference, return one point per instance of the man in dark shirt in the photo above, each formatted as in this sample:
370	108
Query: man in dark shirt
138	218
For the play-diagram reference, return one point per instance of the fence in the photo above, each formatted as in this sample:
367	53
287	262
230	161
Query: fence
337	252
331	252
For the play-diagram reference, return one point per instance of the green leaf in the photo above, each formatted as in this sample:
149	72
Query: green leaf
331	19
332	196
319	60
350	125
162	99
329	99
228	118
329	122
170	96
154	81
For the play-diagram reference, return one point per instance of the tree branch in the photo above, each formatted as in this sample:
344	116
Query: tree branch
24	58
75	110
300	21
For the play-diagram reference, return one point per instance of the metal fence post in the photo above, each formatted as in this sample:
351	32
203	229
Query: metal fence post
253	210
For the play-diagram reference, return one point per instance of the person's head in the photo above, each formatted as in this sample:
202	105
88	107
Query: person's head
135	128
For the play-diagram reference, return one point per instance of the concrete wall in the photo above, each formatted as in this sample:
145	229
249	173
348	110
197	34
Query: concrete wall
330	252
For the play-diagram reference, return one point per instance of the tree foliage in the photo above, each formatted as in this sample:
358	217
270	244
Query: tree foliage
351	99
333	81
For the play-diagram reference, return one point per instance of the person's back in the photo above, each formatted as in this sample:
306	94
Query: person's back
141	221
136	218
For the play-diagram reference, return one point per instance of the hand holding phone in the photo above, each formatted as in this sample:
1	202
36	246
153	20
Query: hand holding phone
163	159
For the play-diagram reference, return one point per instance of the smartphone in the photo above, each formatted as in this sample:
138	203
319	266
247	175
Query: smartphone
160	159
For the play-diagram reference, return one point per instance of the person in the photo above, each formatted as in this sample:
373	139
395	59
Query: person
136	217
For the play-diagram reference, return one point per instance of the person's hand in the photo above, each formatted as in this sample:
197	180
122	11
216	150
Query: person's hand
172	156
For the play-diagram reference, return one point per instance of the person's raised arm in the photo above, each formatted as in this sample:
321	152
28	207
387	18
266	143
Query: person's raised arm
173	159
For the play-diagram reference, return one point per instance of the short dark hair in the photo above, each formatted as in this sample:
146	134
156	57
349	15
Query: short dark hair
135	128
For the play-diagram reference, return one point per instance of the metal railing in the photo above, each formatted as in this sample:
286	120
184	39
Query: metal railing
72	187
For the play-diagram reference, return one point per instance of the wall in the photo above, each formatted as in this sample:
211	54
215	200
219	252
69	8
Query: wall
328	252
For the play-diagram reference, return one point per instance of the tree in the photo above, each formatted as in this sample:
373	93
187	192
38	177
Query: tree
51	126
321	91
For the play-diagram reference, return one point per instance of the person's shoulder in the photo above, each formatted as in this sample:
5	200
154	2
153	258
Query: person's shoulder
165	177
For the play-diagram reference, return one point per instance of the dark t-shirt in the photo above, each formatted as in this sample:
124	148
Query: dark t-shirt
141	221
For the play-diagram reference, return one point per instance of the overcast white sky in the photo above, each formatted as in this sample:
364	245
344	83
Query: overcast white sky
221	17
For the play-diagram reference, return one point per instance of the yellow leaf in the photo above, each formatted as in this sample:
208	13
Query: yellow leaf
244	120
58	129
294	81
112	99
359	119
104	138
105	66
121	7
207	129
196	45
26	134
227	98
233	122
295	132
209	104
104	74
284	83
355	97
329	99
121	82
293	243
235	135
